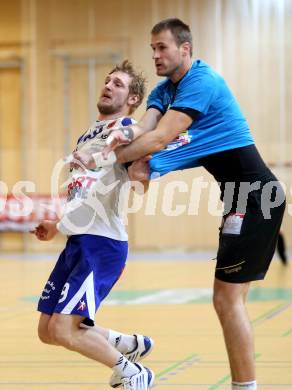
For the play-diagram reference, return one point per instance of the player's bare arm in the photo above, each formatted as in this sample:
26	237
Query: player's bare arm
168	128
126	135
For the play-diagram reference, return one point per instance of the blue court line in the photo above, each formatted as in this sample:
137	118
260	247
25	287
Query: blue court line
177	364
176	368
279	311
271	313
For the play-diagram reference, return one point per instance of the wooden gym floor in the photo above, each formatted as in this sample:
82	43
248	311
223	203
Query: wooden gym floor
165	297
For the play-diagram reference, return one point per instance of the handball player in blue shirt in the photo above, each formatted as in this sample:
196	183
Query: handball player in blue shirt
192	120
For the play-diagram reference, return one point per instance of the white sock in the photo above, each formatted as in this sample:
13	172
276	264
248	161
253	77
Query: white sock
125	368
252	385
122	342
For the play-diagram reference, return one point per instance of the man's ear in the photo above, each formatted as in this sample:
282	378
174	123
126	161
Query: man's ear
133	99
186	48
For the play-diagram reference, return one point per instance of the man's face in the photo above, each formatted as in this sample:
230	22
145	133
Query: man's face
115	93
168	57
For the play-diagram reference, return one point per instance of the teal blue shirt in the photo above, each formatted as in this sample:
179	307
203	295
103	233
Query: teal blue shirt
219	125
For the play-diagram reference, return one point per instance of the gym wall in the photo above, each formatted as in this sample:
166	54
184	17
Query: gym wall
54	55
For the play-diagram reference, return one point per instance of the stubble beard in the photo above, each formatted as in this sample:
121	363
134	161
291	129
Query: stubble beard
106	109
168	72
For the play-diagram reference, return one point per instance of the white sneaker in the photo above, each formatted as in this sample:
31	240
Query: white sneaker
142	381
144	346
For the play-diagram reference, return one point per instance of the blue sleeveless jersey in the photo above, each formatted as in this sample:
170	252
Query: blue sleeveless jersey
220	124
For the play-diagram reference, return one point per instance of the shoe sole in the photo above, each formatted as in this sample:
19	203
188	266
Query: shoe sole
152	379
146	353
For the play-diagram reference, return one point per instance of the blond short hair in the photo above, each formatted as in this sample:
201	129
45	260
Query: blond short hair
138	84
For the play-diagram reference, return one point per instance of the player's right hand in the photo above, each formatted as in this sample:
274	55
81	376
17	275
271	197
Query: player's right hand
45	231
115	139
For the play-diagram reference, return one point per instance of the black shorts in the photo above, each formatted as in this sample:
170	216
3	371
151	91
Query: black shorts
248	238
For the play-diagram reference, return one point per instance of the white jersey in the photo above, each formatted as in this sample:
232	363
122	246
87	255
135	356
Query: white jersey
96	198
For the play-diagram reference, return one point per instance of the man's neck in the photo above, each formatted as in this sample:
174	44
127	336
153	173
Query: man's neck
179	73
107	117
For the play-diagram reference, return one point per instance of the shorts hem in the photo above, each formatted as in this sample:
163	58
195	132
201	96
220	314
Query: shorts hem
246	279
42	311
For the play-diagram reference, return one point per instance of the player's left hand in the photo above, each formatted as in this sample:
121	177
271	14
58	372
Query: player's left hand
45	231
139	169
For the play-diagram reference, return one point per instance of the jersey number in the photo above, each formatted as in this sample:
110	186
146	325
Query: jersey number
64	292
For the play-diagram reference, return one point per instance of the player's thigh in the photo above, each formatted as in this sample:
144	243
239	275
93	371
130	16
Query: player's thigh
64	323
54	286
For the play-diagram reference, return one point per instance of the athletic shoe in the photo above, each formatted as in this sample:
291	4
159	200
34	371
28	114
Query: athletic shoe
144	346
141	381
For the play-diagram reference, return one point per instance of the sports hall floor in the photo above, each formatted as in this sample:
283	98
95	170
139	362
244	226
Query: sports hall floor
166	296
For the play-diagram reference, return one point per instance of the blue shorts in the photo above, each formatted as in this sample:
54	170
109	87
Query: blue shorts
84	274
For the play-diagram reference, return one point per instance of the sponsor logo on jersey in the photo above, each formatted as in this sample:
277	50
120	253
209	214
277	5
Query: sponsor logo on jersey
74	189
182	139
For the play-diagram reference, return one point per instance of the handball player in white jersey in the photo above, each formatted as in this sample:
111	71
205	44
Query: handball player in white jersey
97	247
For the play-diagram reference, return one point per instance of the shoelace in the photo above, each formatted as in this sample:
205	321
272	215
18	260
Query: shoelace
127	384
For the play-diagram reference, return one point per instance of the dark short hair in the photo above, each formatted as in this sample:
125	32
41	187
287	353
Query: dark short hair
138	83
180	31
